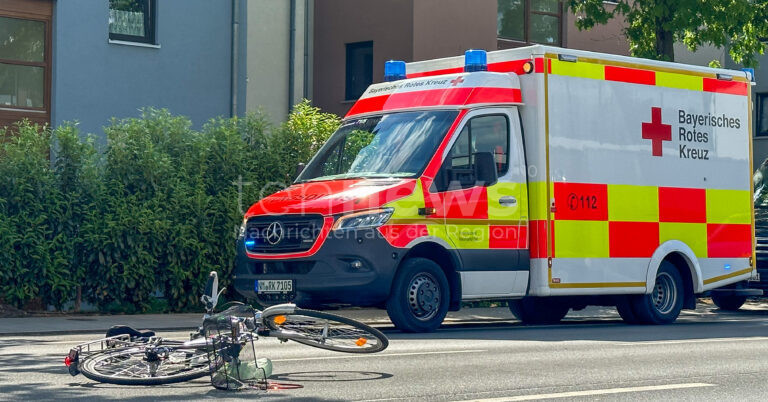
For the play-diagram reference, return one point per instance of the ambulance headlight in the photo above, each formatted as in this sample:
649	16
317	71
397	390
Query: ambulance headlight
364	219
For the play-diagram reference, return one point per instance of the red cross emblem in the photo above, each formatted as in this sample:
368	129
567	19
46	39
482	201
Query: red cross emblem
457	81
656	131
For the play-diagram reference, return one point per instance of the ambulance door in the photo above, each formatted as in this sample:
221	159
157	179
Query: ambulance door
486	222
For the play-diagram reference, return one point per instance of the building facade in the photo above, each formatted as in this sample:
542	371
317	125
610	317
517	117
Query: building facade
90	61
353	38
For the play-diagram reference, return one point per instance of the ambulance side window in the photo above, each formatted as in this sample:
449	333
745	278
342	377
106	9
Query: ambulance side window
481	134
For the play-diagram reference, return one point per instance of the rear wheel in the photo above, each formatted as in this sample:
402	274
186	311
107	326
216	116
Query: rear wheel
146	365
420	295
538	310
729	302
664	303
327	331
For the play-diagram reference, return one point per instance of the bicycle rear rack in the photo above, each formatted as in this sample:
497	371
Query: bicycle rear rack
111	342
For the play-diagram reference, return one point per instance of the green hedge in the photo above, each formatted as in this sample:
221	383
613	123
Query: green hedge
152	213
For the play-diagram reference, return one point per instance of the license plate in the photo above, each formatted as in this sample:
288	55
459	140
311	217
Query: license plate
274	286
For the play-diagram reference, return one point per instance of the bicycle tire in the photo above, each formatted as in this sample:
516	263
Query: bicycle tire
326	331
96	366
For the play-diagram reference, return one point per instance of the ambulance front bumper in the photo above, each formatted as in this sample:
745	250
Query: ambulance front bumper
354	267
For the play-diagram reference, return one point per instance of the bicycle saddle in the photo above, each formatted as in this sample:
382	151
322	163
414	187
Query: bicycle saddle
126	330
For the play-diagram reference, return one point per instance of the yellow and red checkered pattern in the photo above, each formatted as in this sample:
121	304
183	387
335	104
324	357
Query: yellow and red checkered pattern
614	221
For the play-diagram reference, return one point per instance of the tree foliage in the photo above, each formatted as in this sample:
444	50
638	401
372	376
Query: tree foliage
653	26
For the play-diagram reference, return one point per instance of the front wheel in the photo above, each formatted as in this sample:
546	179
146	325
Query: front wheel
146	365
729	302
419	299
326	331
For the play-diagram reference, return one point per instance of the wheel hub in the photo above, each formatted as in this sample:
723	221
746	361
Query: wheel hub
664	295
424	296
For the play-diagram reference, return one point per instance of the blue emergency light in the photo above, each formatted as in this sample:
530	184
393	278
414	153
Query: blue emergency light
475	60
750	73
394	70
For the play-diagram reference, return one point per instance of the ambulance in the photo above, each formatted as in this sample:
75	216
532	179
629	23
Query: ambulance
549	178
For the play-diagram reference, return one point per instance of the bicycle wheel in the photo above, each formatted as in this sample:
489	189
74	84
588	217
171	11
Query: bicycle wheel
326	331
151	365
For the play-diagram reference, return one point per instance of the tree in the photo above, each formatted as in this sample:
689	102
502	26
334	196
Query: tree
653	26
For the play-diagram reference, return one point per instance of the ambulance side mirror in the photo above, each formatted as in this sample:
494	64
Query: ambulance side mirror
485	169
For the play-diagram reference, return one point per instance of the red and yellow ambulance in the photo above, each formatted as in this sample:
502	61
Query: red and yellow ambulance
553	178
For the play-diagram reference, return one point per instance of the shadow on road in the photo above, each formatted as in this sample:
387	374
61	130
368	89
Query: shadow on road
707	324
334	376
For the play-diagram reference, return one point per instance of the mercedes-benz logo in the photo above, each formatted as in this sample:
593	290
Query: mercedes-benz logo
274	233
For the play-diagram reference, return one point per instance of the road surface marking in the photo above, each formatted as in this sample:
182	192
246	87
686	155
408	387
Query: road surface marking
683	341
592	392
446	352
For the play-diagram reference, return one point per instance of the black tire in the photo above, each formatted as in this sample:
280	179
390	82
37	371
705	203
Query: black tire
624	307
420	295
664	303
101	366
538	310
326	331
728	302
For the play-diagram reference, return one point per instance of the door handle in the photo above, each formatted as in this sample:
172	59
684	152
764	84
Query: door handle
508	201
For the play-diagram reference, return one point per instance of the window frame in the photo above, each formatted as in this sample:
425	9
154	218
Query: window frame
150	24
528	11
41	115
448	160
761	99
348	64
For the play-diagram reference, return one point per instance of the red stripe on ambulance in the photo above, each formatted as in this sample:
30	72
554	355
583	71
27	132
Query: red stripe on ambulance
633	239
401	235
508	236
538	242
581	201
729	240
682	205
630	75
725	87
436	97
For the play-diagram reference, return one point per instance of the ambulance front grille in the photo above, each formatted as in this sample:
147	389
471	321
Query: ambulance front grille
297	233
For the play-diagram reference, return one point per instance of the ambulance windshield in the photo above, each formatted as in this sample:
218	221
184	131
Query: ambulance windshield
391	145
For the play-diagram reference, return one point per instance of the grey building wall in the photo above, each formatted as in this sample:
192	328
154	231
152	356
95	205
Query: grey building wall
189	72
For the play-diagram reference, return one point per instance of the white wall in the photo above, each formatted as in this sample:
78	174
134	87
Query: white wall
268	56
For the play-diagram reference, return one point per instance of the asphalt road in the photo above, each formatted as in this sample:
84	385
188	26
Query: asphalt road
711	356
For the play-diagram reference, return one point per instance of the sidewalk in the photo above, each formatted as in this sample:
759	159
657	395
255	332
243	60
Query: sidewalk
73	324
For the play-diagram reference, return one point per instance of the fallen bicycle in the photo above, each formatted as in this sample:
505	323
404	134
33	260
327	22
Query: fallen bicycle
222	348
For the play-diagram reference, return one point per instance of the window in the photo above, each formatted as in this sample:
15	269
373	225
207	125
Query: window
132	20
762	115
530	21
22	63
481	134
359	69
391	145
